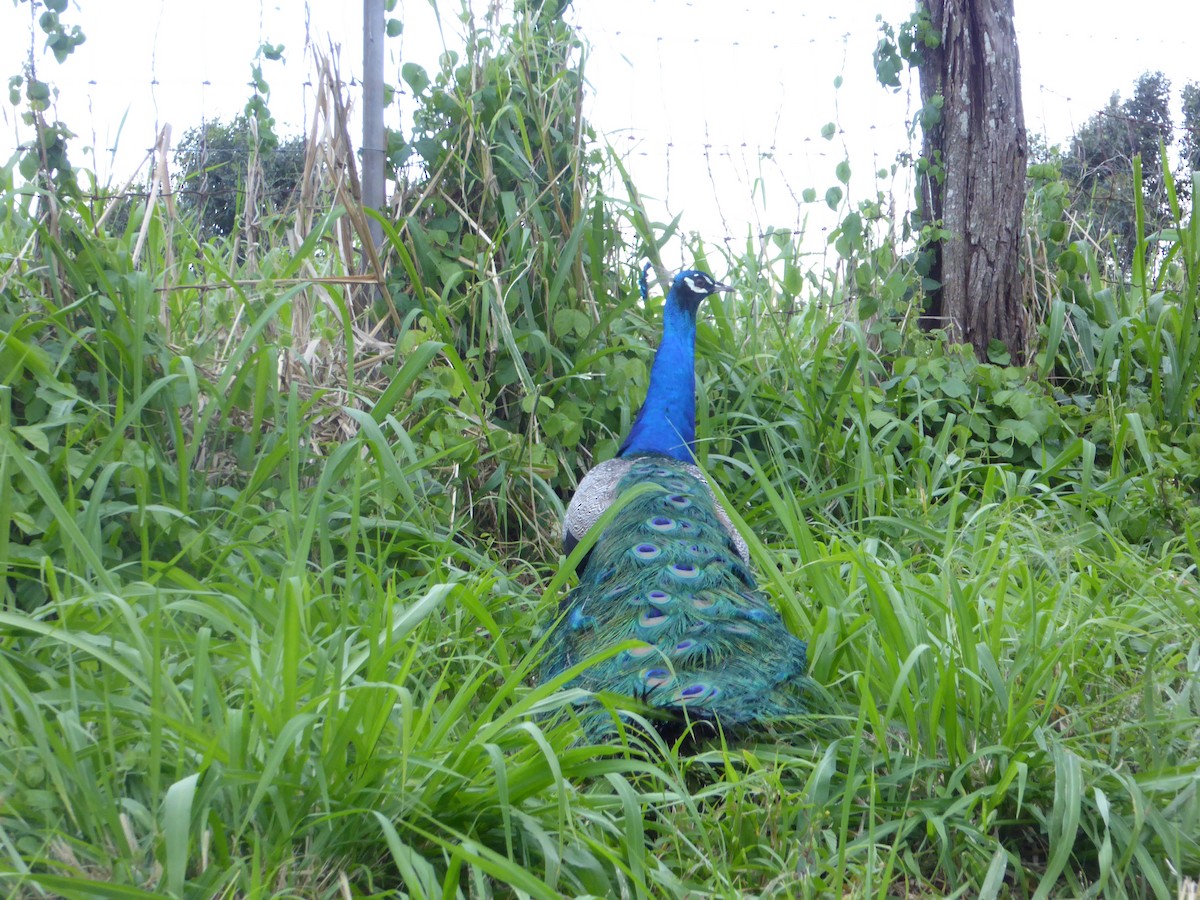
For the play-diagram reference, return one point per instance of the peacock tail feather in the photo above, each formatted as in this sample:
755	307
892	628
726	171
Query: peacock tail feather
666	578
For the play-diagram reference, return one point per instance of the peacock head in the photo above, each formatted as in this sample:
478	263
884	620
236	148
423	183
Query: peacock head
666	423
691	286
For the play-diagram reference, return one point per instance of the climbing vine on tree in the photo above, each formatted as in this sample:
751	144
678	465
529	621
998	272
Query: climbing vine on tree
971	177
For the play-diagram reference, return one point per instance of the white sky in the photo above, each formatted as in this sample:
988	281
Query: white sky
667	77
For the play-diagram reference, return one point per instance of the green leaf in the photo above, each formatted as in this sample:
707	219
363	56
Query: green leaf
998	353
1019	400
955	387
36	437
395	28
29	165
1014	429
843	172
833	197
564	321
415	77
793	278
176	828
37	91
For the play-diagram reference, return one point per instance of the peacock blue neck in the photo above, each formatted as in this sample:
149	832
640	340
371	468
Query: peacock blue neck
666	422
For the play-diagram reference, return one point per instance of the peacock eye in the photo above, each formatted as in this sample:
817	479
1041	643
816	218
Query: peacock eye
698	692
656	677
652	618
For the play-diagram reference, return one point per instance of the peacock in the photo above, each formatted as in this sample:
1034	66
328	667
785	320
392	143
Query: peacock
670	574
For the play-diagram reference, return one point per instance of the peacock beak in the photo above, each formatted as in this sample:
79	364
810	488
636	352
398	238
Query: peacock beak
719	288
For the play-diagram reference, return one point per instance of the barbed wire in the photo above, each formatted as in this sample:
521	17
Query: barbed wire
676	162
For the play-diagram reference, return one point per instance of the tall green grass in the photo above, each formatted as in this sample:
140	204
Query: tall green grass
273	576
256	640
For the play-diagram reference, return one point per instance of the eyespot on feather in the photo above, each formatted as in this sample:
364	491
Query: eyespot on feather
652	618
685	571
697	692
656	677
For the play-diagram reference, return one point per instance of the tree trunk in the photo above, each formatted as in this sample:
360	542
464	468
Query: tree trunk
975	188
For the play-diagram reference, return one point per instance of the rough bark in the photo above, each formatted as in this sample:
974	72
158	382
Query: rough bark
980	148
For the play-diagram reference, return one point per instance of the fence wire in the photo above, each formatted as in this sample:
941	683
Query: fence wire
716	109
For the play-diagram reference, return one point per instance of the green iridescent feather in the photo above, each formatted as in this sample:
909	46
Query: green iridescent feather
708	645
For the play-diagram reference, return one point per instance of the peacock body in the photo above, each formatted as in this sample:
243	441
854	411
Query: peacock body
669	577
